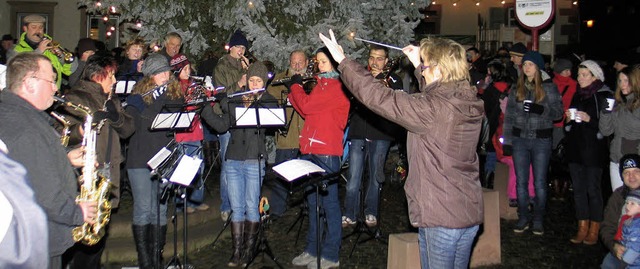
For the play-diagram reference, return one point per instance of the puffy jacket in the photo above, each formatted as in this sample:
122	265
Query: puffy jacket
443	123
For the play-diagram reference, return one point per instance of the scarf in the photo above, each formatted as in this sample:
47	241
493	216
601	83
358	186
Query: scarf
590	90
330	74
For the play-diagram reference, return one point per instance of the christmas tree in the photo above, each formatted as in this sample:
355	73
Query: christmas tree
274	27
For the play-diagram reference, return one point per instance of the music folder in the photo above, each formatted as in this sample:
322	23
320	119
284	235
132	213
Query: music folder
170	119
124	86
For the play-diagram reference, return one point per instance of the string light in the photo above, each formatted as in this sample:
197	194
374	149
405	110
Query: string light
250	4
98	4
105	18
112	28
112	9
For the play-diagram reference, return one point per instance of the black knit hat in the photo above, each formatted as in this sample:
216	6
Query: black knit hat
238	39
86	44
629	161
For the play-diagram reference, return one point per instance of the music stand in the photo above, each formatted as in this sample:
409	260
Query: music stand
293	170
176	171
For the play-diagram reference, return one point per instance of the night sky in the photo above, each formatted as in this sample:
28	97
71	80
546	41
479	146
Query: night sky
616	27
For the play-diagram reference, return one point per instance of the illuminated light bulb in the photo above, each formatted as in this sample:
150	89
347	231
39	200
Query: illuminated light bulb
455	4
503	2
250	4
112	28
112	9
575	3
226	47
590	23
433	3
108	33
156	48
139	24
477	3
412	3
98	4
105	18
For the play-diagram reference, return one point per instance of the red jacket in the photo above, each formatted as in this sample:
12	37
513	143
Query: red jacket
325	111
570	85
195	132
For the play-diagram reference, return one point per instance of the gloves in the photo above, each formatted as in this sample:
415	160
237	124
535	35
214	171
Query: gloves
111	113
295	79
533	108
507	150
221	95
135	100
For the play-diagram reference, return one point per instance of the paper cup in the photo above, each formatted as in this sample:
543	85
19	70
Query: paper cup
610	103
572	113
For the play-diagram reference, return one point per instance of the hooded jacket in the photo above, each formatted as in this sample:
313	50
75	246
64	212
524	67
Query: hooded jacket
624	124
443	122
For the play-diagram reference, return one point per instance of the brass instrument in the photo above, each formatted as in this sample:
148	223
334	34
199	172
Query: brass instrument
60	51
308	75
391	65
94	187
64	134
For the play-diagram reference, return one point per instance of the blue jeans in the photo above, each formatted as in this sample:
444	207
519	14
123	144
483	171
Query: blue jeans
244	179
490	162
279	193
535	152
611	262
330	205
374	152
225	204
145	198
444	248
195	195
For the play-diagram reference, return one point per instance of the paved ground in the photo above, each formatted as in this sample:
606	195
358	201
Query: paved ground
552	250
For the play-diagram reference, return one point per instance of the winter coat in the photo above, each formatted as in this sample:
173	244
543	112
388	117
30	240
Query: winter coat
612	213
227	73
625	127
585	144
145	143
443	122
567	87
90	94
128	70
325	111
518	123
290	139
248	143
60	67
35	144
365	124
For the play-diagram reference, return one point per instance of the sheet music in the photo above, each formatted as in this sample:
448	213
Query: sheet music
173	120
186	170
124	87
268	116
296	168
157	159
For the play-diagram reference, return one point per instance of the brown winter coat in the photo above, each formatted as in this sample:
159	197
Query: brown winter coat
90	94
443	123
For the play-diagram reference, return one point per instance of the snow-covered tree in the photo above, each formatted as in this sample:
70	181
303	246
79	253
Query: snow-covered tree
274	27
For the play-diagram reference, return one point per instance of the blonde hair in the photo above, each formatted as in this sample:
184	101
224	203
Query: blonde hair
147	84
448	55
634	85
538	91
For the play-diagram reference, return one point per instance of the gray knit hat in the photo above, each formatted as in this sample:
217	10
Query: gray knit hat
634	195
258	69
594	68
561	65
154	64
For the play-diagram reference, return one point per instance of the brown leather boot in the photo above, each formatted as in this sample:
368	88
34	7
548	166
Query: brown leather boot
592	236
237	229
583	228
250	237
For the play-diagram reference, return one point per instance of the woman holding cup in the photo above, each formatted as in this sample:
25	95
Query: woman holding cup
532	107
623	121
586	150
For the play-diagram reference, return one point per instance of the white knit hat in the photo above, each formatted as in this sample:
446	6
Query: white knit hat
594	68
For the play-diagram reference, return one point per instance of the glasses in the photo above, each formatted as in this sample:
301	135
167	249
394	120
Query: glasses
424	67
53	82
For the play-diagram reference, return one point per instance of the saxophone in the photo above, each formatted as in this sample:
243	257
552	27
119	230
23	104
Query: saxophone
64	134
94	187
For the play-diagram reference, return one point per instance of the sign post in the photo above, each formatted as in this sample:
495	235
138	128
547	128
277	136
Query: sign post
535	15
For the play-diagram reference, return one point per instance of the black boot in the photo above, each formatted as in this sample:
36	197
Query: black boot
142	239
237	228
158	237
490	178
250	237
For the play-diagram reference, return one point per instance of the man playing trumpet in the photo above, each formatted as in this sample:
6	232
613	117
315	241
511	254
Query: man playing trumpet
34	39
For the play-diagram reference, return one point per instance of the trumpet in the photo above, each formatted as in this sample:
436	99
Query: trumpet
60	51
